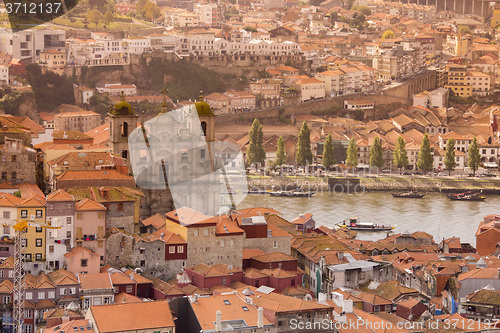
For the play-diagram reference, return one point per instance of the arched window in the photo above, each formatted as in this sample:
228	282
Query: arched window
125	130
204	128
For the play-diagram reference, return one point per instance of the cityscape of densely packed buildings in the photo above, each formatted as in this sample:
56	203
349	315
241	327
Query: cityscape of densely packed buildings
101	254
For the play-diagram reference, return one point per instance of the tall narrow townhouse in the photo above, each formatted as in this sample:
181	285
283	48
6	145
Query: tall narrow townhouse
90	227
61	213
33	209
8	213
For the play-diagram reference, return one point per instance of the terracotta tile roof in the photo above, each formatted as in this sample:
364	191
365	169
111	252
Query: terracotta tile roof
43	281
250	253
95	281
70	135
481	273
277	232
167	288
255	211
277	273
6	286
126	298
63	277
186	216
60	195
77	250
137	277
231	306
281	303
119	277
7	263
301	219
46	304
484	296
9	200
35	201
88	205
254	273
77	160
168	236
409	303
207	271
390	290
132	316
68	326
93	174
100	134
157	221
61	312
274	257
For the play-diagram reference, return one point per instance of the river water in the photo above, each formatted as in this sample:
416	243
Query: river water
434	213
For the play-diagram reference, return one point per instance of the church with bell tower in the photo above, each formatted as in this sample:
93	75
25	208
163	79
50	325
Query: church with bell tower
123	120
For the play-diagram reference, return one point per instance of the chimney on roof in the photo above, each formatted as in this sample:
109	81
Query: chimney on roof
260	317
347	307
322	297
340	255
218	321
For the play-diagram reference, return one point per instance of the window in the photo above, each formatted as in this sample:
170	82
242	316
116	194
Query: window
202	153
29	295
72	291
41	295
143	263
14	175
38	242
38	229
116	290
180	249
6	215
1	274
68	234
6	230
28	329
39	214
24	213
376	308
78	216
68	220
4	175
6	299
106	300
83	262
171	249
38	256
275	244
52	294
120	206
129	289
51	248
86	303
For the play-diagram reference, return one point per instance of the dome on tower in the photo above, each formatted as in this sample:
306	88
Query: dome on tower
122	108
202	107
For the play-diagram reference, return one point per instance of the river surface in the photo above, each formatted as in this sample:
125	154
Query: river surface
434	214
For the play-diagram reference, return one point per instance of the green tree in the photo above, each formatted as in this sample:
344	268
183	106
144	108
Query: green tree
141	6
400	155
462	29
376	153
474	159
151	11
328	152
352	154
108	18
304	153
425	160
449	157
388	34
95	17
255	151
280	153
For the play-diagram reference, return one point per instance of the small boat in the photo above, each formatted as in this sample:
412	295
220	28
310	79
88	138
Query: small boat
410	194
256	191
353	224
298	194
466	196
